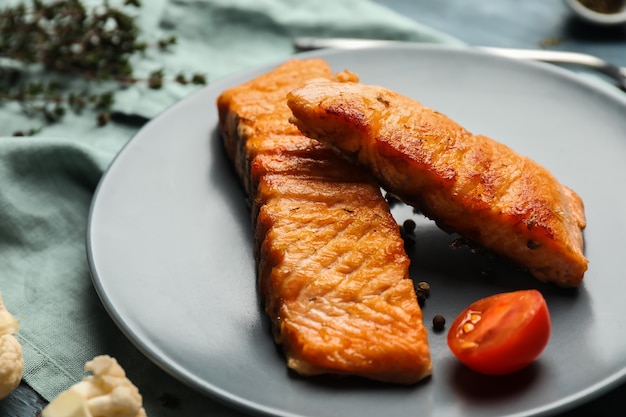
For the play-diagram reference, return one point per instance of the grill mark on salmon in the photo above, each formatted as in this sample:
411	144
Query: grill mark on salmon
332	270
469	184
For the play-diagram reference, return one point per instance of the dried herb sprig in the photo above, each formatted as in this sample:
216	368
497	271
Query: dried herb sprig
64	36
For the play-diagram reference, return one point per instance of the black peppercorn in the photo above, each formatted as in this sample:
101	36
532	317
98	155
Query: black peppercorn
424	288
439	323
409	225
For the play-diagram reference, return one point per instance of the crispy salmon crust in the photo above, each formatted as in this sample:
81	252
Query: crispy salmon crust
467	183
332	270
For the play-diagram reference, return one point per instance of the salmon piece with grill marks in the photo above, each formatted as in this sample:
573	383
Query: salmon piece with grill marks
469	184
332	270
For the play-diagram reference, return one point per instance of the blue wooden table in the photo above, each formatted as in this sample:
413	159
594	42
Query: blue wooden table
505	23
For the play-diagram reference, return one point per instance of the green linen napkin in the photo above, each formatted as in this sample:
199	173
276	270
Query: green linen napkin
48	181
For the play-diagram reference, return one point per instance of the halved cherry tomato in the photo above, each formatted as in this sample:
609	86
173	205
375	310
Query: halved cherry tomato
502	333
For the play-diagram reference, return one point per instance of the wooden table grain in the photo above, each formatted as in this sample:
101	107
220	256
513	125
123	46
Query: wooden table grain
23	402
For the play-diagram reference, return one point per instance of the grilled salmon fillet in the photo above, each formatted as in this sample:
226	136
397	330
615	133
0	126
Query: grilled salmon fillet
332	270
469	184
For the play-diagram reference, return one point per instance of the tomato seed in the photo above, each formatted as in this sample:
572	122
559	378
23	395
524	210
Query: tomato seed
468	327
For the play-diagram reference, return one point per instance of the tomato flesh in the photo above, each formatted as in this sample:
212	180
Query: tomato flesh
502	333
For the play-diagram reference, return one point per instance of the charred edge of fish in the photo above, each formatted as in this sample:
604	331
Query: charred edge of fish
381	99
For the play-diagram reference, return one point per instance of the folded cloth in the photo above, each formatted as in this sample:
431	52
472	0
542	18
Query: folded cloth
48	180
219	37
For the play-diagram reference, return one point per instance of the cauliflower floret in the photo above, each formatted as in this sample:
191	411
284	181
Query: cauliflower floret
11	359
105	393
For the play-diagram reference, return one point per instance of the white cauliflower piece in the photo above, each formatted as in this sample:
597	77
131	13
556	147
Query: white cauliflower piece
105	393
11	359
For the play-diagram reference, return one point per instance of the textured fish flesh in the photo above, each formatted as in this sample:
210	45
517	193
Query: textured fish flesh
469	184
332	269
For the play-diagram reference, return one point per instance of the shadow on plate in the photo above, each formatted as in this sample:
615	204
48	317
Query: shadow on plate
336	383
470	384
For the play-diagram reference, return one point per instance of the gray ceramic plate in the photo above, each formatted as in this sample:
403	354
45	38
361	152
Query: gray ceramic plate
170	246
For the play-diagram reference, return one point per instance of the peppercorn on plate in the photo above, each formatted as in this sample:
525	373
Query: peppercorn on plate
172	254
